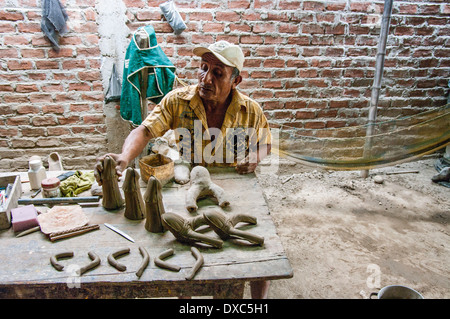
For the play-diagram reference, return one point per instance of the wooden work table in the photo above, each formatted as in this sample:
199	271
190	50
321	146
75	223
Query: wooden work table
26	271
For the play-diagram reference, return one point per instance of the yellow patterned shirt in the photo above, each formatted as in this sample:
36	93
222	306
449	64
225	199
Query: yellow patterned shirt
244	127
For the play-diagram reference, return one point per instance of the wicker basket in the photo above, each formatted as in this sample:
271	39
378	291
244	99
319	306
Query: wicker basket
157	165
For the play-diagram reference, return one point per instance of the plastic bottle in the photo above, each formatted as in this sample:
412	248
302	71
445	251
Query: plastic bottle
36	173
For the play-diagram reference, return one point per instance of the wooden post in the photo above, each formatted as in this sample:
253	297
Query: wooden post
385	23
143	42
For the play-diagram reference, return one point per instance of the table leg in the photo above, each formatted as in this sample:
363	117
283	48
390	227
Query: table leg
259	289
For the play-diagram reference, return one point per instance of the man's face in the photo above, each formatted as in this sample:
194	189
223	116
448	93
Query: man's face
214	79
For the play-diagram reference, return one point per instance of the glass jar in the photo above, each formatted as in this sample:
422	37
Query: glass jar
50	187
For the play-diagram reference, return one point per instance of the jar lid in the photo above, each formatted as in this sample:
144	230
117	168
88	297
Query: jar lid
50	182
35	164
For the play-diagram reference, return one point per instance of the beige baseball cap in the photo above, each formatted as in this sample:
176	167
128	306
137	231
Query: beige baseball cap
229	54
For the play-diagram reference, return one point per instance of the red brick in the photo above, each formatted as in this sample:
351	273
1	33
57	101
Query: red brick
33	131
47	64
289	5
305	115
19	65
313	6
274	63
43	121
10	15
53	108
22	143
226	16
93	119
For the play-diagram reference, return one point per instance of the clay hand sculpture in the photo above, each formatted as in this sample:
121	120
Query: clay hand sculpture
112	199
184	229
223	225
154	206
134	204
202	186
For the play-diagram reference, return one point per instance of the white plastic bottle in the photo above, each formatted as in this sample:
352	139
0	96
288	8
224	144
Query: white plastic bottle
36	173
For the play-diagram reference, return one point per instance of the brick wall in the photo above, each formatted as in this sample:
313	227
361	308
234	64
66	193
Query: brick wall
309	63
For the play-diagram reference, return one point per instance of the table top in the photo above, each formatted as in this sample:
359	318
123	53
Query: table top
26	260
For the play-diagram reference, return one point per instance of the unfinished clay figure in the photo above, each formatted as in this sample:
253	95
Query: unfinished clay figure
113	262
95	261
184	229
165	145
134	203
154	206
224	224
159	261
198	263
202	186
112	199
144	263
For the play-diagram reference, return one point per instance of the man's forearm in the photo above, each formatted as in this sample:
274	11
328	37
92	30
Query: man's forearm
136	141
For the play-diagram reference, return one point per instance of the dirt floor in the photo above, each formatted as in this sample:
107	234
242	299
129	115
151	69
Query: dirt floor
347	236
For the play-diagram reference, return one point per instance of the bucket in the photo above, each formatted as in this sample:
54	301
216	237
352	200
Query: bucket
397	292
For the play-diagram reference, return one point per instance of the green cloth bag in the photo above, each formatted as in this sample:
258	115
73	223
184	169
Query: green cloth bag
161	76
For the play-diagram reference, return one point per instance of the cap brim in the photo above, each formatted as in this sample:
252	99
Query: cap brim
199	51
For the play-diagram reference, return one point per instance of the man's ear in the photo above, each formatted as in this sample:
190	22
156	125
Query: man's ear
236	81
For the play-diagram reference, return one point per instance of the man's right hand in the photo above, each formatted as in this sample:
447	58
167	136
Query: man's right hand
121	165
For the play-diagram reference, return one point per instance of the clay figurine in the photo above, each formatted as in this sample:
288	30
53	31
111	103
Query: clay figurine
144	263
113	262
154	207
159	261
199	262
112	199
54	259
134	204
184	229
202	186
166	145
224	224
95	261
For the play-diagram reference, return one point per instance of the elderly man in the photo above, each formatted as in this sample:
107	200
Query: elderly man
214	123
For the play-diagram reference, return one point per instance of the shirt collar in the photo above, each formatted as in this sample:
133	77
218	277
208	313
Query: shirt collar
191	94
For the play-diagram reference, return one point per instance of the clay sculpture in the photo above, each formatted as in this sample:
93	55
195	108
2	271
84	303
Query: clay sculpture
223	225
184	229
144	263
199	262
159	261
134	203
112	199
95	261
154	206
112	259
165	145
202	186
54	259
181	171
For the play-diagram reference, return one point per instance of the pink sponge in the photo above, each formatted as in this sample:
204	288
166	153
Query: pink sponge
24	218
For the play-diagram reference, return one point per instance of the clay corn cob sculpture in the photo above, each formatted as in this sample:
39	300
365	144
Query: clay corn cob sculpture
184	229
154	206
223	225
112	199
134	203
